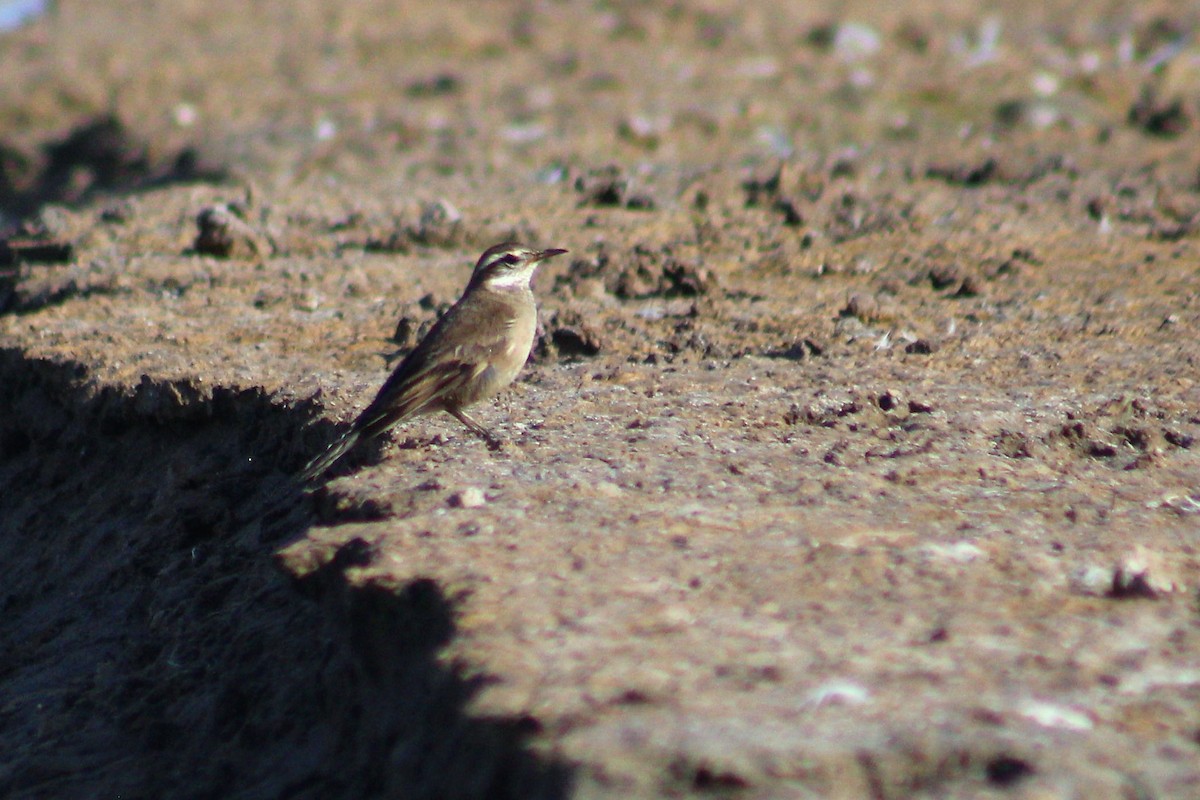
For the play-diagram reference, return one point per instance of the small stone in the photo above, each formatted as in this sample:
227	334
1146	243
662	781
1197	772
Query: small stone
891	401
185	115
608	489
117	212
1055	715
1158	117
961	552
1143	573
471	497
969	287
944	275
642	130
1091	579
308	300
861	306
403	336
440	225
920	347
854	41
602	188
686	279
838	692
224	235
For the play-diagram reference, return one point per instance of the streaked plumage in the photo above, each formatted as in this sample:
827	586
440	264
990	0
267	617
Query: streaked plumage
475	350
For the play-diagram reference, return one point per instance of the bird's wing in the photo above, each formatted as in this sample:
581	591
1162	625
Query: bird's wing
408	391
412	391
442	364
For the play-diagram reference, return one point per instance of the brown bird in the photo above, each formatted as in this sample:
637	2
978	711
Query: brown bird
475	350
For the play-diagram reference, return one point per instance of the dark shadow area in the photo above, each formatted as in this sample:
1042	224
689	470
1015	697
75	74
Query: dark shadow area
98	156
149	648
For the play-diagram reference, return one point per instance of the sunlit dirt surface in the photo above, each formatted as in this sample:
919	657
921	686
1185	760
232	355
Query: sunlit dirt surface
857	457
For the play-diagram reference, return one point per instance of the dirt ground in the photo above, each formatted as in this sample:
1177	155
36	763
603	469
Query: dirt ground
857	457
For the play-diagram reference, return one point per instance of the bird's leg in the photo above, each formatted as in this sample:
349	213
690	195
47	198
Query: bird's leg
493	443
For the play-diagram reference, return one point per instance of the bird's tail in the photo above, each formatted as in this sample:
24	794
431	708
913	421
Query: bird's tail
332	454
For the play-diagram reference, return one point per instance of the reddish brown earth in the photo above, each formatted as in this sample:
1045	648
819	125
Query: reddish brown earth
858	456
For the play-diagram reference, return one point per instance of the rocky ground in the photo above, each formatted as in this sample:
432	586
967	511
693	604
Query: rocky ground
857	456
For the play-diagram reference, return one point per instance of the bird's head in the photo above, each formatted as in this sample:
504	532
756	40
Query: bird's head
509	265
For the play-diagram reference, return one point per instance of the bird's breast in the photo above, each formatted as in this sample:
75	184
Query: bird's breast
500	360
516	349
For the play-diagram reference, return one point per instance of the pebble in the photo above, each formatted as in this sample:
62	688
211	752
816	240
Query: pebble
308	300
1053	715
221	233
471	497
608	489
855	41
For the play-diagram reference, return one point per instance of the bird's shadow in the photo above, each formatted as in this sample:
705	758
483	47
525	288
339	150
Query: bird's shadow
150	646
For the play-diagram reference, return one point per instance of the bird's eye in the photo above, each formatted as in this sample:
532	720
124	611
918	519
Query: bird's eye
511	259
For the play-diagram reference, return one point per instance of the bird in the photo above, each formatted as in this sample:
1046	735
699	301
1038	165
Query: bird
473	352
